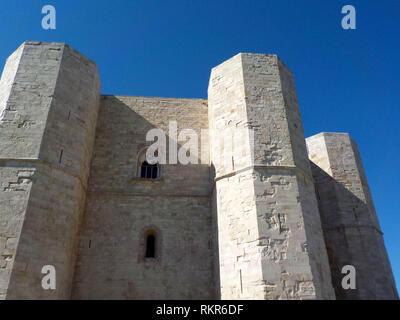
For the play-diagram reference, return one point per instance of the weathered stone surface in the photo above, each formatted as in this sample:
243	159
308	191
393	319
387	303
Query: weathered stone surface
270	239
350	224
47	125
121	207
241	225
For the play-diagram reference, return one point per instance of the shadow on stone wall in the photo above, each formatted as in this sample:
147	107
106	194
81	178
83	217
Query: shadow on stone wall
351	238
120	137
121	206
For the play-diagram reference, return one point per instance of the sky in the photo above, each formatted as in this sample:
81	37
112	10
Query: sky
346	80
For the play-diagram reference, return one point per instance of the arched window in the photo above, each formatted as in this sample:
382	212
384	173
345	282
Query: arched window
145	169
149	171
150	244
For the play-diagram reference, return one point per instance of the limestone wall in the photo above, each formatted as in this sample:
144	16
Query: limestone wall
23	112
15	183
46	135
351	229
270	239
121	207
241	223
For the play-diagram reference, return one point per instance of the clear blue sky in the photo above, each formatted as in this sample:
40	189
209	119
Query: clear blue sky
347	80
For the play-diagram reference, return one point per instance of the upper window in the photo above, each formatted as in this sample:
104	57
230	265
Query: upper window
149	171
145	169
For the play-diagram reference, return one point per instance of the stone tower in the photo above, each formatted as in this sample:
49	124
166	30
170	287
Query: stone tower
271	244
351	228
48	104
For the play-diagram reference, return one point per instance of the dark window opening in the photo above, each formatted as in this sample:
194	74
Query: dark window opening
149	171
150	246
61	154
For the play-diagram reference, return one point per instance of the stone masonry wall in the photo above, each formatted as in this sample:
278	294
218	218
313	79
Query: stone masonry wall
270	239
46	136
238	257
15	186
121	207
14	183
23	112
351	229
248	220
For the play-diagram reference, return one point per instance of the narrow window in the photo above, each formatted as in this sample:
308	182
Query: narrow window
146	170
149	171
150	246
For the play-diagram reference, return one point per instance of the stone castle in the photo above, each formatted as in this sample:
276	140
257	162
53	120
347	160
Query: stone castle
76	192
